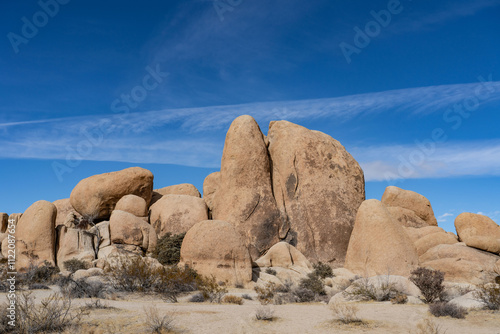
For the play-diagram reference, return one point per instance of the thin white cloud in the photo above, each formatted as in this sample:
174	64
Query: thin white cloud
443	218
388	163
195	136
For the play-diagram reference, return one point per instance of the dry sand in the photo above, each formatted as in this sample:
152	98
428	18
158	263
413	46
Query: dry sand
128	317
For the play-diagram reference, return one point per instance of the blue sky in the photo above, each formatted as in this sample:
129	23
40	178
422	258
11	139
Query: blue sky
410	88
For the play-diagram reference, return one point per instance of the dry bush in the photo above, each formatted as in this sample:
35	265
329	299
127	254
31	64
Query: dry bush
345	313
211	290
44	273
197	298
96	304
83	289
247	297
399	299
53	314
490	295
265	294
430	283
442	309
136	275
230	299
265	313
427	326
74	265
313	283
156	323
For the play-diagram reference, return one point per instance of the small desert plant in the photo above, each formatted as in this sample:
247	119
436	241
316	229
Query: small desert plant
345	313
442	309
265	313
265	294
211	290
427	326
490	295
313	283
83	289
168	249
399	299
94	304
197	298
271	271
230	299
156	323
44	273
429	281
170	282
247	297
74	265
239	286
303	295
52	315
132	275
322	270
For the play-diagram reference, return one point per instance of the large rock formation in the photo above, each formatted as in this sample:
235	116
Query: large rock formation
410	200
478	231
36	235
96	196
74	244
64	208
379	245
125	228
177	214
133	204
462	264
318	186
406	217
244	196
215	247
283	255
210	186
178	189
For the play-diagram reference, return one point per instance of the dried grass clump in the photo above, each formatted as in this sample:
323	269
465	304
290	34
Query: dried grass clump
157	323
264	313
442	309
345	313
230	299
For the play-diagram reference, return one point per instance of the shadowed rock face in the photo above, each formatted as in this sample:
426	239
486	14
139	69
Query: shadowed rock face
318	187
244	195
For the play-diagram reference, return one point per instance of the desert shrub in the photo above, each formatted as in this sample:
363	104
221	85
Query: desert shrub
271	271
197	298
313	283
83	289
137	275
322	270
239	286
157	323
490	295
44	273
497	280
74	265
211	289
265	294
427	326
247	297
399	299
168	249
265	313
96	304
384	290
345	313
230	299
304	295
53	314
442	309
430	283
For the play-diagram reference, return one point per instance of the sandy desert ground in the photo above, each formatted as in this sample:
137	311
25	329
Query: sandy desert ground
127	316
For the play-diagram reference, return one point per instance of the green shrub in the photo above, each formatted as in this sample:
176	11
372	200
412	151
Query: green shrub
303	295
322	270
442	309
74	265
313	283
429	281
168	249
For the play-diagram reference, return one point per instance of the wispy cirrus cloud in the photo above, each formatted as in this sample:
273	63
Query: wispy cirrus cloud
195	136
